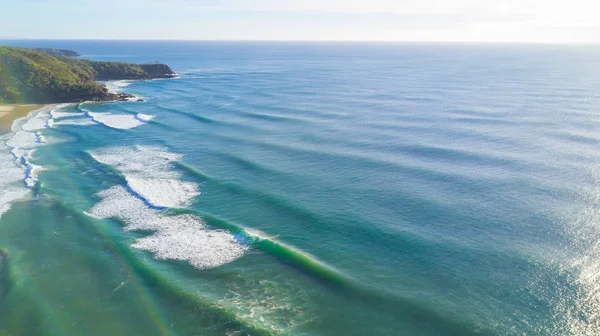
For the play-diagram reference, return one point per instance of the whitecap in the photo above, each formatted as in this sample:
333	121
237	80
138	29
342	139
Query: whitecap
18	153
148	172
23	140
16	168
119	121
11	180
116	86
9	195
59	114
164	193
41	138
31	174
34	124
180	237
122	83
144	117
11	171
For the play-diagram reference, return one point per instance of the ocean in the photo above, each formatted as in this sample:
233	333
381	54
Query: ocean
304	188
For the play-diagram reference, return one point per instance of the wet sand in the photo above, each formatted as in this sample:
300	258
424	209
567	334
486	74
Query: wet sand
9	113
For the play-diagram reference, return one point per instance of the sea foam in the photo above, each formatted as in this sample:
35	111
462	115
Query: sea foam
34	124
73	122
23	140
148	172
59	115
181	237
10	180
15	158
165	193
119	121
144	117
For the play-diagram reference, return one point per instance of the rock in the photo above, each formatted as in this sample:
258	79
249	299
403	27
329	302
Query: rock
158	70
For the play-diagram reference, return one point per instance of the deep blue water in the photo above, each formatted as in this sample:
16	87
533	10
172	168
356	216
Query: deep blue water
311	189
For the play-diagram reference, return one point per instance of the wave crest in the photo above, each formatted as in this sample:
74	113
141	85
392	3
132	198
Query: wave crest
149	174
181	237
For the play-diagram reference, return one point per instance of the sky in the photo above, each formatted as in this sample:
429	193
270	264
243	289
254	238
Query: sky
540	21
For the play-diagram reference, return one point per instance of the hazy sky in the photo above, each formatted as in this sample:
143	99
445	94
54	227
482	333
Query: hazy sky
572	21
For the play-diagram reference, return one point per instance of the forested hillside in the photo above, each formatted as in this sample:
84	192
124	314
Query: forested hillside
32	76
29	76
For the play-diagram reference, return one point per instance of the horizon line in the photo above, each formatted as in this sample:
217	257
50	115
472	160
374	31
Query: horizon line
299	40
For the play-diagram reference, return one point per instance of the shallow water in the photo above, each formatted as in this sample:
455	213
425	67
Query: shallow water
310	189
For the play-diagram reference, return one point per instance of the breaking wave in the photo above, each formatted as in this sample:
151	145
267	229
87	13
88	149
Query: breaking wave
16	149
118	121
181	237
149	174
144	117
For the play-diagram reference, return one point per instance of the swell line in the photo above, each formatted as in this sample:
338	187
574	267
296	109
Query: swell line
202	119
161	285
328	275
302	261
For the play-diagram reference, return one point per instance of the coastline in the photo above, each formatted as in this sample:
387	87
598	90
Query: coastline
16	145
11	112
66	79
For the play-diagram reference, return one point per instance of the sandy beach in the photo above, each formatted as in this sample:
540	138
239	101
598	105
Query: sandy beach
9	113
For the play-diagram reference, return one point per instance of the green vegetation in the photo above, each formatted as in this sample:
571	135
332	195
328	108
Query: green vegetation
32	76
120	70
58	52
29	76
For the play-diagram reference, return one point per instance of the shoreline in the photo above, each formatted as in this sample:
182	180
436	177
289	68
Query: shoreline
9	113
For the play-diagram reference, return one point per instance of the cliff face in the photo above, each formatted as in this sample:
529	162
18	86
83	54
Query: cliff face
158	70
119	71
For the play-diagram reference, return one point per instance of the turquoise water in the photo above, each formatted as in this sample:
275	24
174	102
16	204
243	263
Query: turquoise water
310	189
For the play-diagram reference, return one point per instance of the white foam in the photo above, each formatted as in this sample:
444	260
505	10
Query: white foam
11	171
119	121
186	240
41	138
73	122
16	168
18	153
59	115
9	195
122	83
11	180
181	237
144	117
111	87
21	143
23	140
34	124
164	193
145	160
148	172
43	114
31	177
116	86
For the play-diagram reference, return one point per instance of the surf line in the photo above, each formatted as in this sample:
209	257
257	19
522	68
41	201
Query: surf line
288	255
